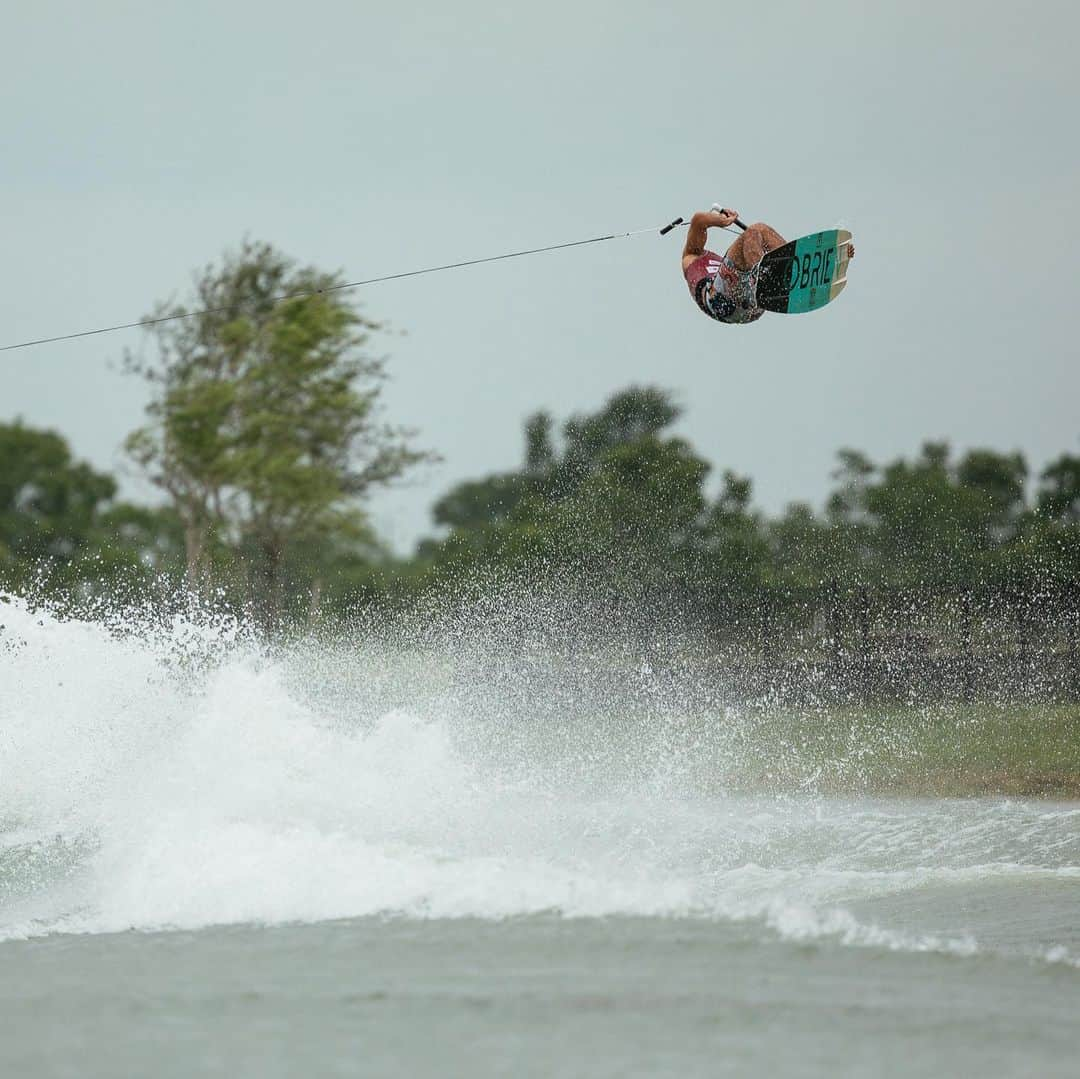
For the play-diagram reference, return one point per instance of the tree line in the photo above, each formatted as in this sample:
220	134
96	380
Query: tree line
265	438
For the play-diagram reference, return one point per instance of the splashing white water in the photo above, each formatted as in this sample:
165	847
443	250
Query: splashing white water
180	776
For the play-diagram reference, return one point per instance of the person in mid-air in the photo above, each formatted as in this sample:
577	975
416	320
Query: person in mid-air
725	286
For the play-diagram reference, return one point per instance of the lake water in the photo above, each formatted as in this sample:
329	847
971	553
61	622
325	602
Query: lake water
363	858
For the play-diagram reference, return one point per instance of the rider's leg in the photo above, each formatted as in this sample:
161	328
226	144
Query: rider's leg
749	249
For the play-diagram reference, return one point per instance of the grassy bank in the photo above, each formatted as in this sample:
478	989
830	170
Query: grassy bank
945	751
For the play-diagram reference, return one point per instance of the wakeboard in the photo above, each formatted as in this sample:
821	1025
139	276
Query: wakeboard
804	274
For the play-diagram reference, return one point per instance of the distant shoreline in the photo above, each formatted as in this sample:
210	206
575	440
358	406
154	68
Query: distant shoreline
961	751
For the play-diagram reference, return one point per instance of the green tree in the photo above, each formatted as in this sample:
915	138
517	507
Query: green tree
1001	480
539	447
736	558
629	416
802	545
62	532
476	503
264	429
616	498
1046	549
1058	497
931	519
635	516
48	503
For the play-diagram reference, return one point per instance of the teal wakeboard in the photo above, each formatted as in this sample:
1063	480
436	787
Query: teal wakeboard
805	274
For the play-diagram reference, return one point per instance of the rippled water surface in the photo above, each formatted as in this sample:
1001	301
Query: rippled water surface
365	857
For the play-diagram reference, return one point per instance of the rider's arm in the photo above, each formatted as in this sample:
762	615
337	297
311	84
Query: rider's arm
697	235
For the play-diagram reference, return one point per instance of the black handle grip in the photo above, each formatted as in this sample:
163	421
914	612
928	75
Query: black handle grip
678	221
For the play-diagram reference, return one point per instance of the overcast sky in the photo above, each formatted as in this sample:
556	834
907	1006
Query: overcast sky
142	139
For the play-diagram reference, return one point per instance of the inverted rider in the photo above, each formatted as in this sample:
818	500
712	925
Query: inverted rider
725	286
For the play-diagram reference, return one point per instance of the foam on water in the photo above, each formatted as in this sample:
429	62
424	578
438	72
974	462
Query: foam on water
178	775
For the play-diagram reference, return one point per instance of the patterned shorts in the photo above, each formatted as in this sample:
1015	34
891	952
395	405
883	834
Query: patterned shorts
731	293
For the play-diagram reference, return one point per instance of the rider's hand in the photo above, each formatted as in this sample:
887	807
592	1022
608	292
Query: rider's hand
728	216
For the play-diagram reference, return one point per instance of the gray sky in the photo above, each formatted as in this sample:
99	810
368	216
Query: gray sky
141	139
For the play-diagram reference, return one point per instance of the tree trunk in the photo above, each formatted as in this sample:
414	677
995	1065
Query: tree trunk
269	585
315	604
195	536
